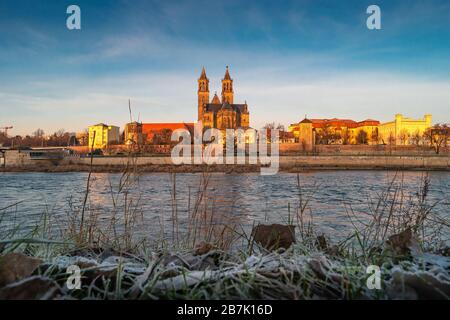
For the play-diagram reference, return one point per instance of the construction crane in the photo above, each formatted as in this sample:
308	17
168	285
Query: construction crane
5	130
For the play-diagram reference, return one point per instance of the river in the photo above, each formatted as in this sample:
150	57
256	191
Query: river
239	199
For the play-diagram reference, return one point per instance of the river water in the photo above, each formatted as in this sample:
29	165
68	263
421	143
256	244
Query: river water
239	199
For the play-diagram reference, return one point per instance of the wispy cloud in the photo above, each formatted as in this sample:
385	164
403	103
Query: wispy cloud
288	59
155	98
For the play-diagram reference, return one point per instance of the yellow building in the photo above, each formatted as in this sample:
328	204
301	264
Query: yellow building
404	131
306	134
338	131
101	136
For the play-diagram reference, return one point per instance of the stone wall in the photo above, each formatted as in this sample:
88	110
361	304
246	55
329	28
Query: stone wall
17	158
366	162
287	162
376	150
297	148
22	158
121	148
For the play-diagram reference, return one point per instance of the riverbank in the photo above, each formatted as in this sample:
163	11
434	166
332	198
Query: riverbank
397	248
286	164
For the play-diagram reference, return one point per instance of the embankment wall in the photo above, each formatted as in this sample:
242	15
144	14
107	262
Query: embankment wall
291	162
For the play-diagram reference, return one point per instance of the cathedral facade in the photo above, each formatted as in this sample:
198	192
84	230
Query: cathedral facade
221	113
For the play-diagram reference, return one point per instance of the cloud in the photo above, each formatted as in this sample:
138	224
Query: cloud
170	97
354	95
287	59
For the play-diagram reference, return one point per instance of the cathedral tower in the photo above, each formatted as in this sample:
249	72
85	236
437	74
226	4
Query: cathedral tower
227	88
203	93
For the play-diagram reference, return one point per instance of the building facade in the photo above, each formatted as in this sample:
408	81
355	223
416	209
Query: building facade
101	136
82	138
404	131
133	135
401	131
161	133
306	134
221	113
338	131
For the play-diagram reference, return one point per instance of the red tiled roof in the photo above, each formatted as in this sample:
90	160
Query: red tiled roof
339	123
146	127
320	123
151	128
369	122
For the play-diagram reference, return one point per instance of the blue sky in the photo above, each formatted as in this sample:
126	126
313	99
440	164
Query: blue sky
288	59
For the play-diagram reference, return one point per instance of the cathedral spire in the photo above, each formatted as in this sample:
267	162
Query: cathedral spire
202	93
227	88
203	75
227	75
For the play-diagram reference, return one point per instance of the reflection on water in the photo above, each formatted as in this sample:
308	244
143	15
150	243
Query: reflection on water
239	200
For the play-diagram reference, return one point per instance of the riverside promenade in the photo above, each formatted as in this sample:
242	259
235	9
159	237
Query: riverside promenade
286	163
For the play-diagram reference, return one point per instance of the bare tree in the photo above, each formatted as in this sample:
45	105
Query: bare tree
162	137
416	138
39	133
404	136
438	136
39	136
326	135
362	137
346	137
375	137
4	140
60	133
391	138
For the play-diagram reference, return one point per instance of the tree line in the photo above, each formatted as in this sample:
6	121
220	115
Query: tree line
60	138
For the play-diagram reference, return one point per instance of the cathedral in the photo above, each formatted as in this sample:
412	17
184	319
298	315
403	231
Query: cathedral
221	113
